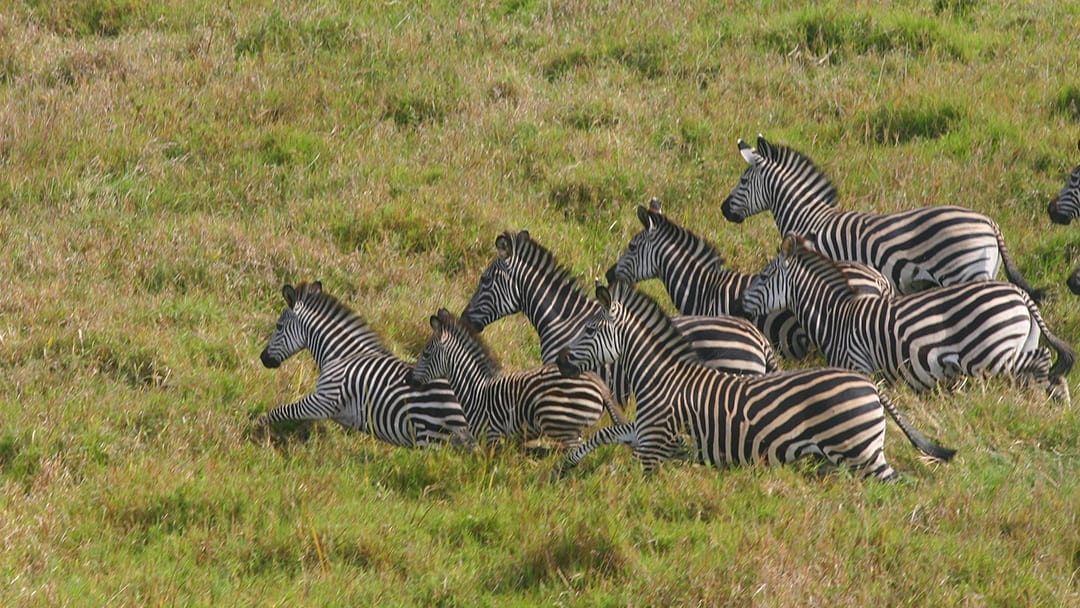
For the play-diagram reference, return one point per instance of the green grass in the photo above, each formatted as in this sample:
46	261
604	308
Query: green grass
168	166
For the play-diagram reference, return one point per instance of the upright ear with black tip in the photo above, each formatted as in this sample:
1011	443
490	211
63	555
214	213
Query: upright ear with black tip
436	324
747	152
289	293
603	296
787	246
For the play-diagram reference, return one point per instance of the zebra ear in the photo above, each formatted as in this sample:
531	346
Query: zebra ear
289	293
747	152
315	287
643	217
654	206
603	296
436	324
504	246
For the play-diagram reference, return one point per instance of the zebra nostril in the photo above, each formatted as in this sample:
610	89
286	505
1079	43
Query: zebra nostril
730	215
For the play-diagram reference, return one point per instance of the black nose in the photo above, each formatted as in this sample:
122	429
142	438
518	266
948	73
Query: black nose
611	275
269	361
1056	215
410	379
1074	282
730	215
566	368
737	309
468	317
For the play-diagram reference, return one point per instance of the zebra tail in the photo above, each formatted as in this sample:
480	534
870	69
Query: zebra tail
1066	356
916	438
618	416
1012	270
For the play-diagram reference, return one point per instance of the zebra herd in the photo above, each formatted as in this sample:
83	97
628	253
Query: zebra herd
909	298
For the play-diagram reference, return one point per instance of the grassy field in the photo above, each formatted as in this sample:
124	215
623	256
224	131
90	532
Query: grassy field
166	167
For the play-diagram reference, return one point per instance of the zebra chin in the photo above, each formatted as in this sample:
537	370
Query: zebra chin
566	368
730	215
268	361
412	382
467	316
1056	215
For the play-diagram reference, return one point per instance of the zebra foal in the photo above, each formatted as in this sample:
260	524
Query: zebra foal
694	276
361	385
1064	209
922	339
526	277
917	249
529	403
774	419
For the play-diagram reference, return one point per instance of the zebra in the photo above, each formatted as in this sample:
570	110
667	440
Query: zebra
921	339
361	384
535	402
917	249
697	282
1064	209
526	277
774	418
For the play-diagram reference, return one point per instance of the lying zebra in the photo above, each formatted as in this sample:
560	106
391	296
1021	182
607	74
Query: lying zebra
1064	209
922	339
697	282
772	419
526	277
361	385
916	250
530	403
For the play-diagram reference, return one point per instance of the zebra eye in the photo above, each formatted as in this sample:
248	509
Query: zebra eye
279	326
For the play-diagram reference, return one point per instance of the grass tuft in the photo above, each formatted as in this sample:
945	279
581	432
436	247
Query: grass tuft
889	125
1067	103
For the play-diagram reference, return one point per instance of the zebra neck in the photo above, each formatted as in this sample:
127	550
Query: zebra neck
823	309
648	351
557	309
698	284
336	333
470	377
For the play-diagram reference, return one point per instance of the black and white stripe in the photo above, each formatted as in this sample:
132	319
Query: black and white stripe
526	277
361	385
774	419
923	339
918	249
1064	209
698	283
528	403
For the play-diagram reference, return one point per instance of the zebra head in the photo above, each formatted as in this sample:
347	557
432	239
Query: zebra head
768	290
498	294
1066	205
599	342
290	335
748	197
434	361
641	260
1074	281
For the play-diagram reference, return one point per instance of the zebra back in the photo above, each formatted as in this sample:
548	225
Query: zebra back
915	249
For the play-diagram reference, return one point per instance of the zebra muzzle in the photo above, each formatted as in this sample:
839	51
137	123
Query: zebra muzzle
730	215
268	361
1056	215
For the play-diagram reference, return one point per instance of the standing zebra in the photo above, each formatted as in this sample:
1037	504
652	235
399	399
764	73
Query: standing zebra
361	385
774	419
971	329
526	277
1064	209
532	403
916	249
697	282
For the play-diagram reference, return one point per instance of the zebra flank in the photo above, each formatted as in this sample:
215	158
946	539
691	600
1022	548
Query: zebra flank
530	403
526	277
361	385
923	339
694	276
916	250
773	419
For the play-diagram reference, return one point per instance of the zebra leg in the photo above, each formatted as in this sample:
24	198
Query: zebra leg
625	434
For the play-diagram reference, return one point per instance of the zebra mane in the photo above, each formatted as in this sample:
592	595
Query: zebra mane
470	339
705	250
822	266
792	162
540	256
646	310
312	296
